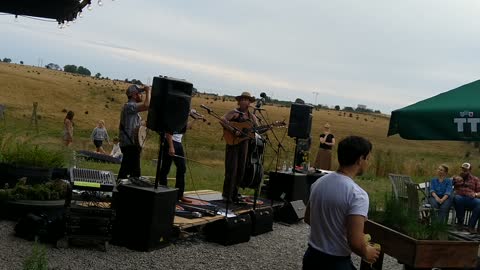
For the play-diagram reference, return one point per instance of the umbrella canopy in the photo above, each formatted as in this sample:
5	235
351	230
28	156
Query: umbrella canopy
453	115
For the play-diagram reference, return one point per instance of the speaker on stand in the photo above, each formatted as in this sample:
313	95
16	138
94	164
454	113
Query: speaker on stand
169	110
300	124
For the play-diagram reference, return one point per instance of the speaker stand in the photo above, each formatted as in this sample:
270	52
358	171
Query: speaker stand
160	157
295	155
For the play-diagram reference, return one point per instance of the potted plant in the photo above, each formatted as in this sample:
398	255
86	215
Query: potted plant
46	198
417	244
22	158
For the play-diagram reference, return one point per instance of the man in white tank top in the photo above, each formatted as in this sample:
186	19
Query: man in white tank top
337	211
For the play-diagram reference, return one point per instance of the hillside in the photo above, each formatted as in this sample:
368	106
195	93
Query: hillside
94	99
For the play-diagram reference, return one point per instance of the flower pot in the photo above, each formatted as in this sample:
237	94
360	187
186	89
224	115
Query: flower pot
423	253
15	209
5	177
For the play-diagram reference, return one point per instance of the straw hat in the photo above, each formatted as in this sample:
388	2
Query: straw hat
245	95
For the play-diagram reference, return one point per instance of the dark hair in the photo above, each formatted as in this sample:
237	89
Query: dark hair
70	115
351	149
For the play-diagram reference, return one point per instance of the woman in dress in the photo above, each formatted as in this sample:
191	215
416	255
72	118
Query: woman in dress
324	155
68	128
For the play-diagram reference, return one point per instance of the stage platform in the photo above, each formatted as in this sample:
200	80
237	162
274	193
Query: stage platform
215	198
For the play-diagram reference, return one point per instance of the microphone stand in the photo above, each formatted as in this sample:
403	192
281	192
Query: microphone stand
279	146
160	155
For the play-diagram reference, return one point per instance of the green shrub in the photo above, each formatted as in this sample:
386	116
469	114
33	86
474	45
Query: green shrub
23	152
51	190
38	259
397	216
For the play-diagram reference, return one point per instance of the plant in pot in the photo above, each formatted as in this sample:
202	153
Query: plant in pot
414	242
22	158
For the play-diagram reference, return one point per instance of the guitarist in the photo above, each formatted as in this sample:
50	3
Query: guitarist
236	155
130	122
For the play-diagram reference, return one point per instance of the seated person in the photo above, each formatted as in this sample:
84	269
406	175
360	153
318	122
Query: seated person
116	151
441	193
467	188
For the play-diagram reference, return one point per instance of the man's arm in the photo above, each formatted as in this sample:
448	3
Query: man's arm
146	102
356	238
171	149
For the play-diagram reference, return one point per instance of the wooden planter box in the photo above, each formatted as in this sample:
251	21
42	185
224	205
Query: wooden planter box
423	253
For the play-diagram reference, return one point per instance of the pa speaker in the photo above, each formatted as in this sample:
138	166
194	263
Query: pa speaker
287	186
291	212
300	123
144	216
169	105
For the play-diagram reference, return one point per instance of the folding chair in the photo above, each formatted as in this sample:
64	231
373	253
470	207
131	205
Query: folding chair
398	186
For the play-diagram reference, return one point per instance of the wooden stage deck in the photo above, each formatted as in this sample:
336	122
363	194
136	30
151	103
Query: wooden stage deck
182	223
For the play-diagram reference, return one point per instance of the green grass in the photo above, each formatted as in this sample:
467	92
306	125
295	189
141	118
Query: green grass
93	99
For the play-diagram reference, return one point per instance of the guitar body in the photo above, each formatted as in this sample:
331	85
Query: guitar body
247	130
140	136
232	139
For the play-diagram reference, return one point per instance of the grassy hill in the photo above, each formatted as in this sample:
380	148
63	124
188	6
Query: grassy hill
94	99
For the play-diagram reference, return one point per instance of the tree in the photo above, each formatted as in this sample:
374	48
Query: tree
7	60
337	107
70	68
98	75
53	66
83	71
348	109
21	62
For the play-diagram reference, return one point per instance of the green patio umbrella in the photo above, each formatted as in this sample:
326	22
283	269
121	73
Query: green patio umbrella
453	115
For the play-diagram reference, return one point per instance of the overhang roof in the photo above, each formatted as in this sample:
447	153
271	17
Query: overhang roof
59	10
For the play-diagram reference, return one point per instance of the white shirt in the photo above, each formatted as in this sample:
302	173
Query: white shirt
177	138
334	197
116	151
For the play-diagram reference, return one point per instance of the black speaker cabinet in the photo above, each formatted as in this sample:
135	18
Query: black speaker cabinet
287	186
262	220
169	105
144	216
300	123
229	231
291	212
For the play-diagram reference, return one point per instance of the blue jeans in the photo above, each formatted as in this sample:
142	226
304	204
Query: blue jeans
464	202
443	208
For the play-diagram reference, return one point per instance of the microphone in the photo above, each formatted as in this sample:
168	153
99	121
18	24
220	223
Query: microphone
261	101
206	108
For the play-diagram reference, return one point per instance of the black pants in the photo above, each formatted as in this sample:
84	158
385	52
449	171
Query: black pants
316	260
179	163
131	162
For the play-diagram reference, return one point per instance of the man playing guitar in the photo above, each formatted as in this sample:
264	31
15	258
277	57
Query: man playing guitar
236	154
130	122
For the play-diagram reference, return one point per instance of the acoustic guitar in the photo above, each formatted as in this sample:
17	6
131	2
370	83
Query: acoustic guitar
247	131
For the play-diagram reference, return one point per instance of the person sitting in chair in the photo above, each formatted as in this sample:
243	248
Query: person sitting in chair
467	194
441	193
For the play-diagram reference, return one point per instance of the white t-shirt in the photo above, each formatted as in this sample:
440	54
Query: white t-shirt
332	198
177	137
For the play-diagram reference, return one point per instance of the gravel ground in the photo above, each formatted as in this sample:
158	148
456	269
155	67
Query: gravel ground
281	249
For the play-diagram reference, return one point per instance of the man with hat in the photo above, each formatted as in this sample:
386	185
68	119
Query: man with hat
130	122
236	154
467	194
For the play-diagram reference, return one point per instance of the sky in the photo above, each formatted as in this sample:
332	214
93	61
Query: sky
383	54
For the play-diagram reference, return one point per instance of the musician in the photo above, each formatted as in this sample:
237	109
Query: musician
236	155
130	122
173	151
